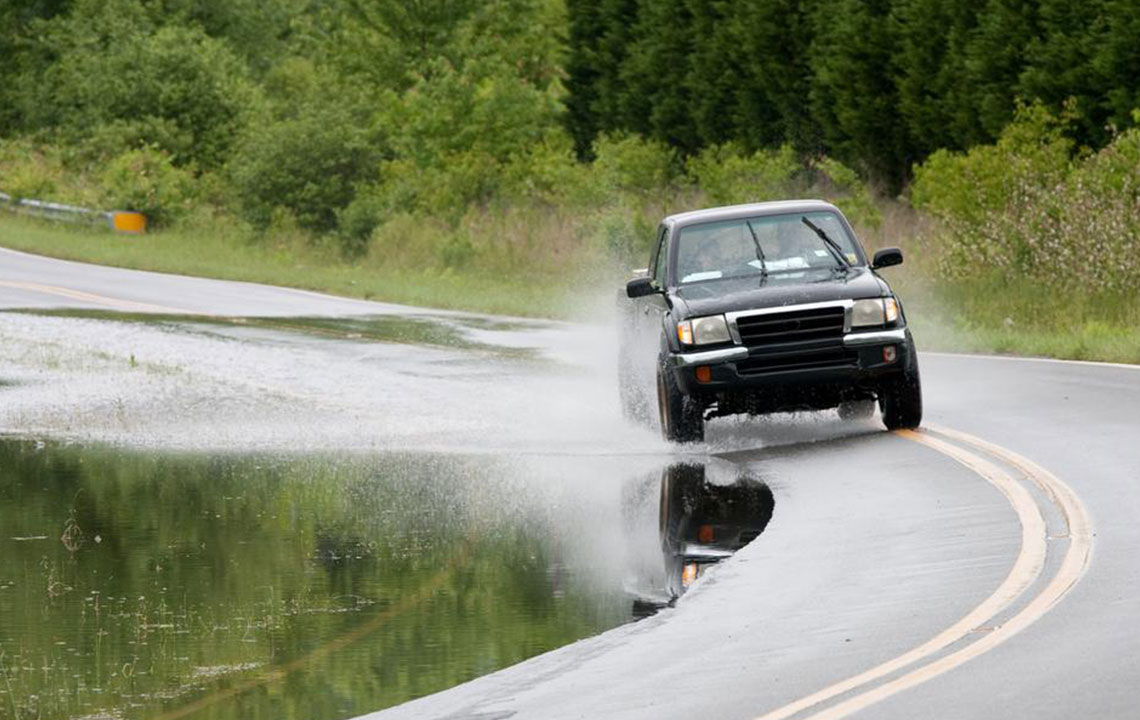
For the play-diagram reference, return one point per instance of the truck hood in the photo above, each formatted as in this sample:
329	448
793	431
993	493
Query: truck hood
719	296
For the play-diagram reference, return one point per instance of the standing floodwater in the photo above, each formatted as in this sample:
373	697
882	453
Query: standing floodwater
157	585
299	517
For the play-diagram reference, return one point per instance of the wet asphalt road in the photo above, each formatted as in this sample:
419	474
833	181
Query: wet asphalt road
877	543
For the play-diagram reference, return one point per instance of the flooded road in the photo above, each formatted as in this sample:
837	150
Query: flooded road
226	586
282	503
318	517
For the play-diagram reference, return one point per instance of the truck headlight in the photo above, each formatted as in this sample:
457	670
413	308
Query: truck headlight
703	331
876	311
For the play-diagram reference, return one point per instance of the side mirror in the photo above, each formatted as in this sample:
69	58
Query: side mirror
886	257
640	287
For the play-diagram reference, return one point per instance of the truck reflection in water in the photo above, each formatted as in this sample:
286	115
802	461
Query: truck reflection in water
702	521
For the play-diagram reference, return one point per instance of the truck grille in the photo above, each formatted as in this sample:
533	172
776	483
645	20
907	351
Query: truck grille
792	326
794	340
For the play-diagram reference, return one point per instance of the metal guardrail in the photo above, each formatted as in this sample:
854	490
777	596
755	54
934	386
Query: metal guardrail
120	220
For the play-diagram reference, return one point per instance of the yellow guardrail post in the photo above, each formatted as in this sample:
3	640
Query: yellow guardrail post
128	222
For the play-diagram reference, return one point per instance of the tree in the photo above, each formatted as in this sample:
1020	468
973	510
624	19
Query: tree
656	102
1059	64
16	20
852	95
1116	58
994	61
109	76
929	71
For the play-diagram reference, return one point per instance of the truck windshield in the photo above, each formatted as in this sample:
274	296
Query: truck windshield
728	248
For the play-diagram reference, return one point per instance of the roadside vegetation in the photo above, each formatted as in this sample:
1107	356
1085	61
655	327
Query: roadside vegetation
493	155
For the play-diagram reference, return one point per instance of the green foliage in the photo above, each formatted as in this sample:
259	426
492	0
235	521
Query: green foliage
853	97
29	172
727	175
110	75
842	186
633	164
1032	151
931	72
309	165
462	136
1023	207
147	181
877	85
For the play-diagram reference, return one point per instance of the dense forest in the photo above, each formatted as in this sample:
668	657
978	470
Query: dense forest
879	84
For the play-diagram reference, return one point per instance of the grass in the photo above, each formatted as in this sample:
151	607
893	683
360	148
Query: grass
996	314
999	313
293	263
1020	317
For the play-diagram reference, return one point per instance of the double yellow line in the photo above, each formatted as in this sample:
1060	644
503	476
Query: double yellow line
929	659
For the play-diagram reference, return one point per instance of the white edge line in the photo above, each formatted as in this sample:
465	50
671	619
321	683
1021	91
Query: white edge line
1020	358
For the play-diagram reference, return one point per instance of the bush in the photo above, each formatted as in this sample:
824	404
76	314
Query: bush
1024	207
309	165
29	172
120	83
728	176
841	185
147	181
1031	154
633	164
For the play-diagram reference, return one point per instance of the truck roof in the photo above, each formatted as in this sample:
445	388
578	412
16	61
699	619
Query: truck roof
733	212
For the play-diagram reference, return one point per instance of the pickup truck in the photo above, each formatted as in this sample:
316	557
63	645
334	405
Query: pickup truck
764	308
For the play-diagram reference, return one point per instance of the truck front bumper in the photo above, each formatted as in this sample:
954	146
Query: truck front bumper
795	375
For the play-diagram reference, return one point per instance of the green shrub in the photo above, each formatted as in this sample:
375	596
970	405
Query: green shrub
147	181
728	176
1024	207
29	172
120	82
841	185
634	164
1032	153
309	165
549	173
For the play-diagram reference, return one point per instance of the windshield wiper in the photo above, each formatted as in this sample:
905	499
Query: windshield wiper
759	250
832	246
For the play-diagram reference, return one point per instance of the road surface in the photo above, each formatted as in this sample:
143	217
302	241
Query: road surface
984	567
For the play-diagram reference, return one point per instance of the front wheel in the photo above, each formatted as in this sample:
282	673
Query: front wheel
901	400
682	418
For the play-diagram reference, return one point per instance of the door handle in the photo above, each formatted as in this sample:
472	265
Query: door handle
645	309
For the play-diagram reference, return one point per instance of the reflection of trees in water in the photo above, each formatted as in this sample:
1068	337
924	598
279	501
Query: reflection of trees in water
206	566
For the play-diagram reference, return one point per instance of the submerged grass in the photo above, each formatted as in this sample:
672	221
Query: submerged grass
418	330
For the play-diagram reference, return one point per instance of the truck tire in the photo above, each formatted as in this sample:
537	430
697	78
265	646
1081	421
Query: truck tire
682	418
901	400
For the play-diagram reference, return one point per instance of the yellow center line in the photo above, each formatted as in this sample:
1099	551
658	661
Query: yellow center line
1075	562
1026	568
116	303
